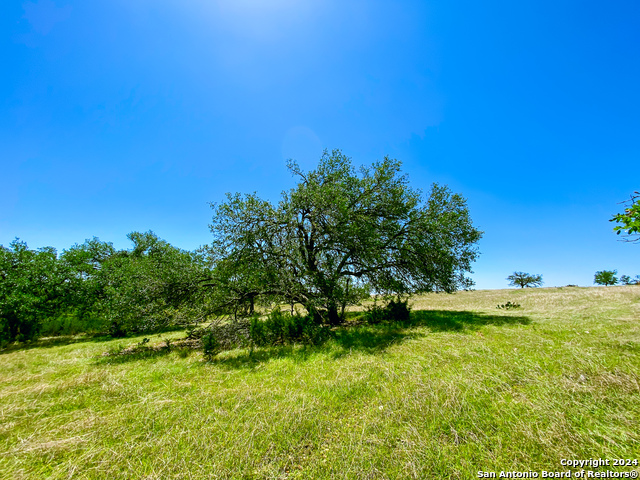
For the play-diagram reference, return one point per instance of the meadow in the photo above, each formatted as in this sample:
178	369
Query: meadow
464	387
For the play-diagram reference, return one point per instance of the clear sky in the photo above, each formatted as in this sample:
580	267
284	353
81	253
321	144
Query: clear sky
121	115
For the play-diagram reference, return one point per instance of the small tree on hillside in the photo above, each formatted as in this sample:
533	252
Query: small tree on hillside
522	280
606	277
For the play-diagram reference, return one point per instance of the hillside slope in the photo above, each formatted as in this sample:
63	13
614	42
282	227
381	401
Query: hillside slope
469	388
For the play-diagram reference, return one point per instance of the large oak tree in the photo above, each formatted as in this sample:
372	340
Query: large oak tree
339	233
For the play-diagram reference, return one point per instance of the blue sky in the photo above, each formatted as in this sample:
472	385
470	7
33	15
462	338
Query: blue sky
132	115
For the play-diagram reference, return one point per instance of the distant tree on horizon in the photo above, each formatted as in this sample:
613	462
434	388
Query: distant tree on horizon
522	280
627	280
606	277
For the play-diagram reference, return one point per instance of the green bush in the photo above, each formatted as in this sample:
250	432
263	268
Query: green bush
508	306
395	311
398	310
375	314
280	328
210	346
72	323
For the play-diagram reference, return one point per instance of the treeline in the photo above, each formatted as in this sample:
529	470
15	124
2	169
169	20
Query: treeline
339	235
93	287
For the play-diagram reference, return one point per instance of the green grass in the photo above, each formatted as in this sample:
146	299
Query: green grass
467	387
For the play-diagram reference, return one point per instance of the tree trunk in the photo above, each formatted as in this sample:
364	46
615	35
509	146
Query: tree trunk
346	296
334	316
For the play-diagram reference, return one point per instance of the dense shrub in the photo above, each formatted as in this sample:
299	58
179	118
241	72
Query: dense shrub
223	334
509	306
375	314
72	322
281	328
210	346
396	310
277	328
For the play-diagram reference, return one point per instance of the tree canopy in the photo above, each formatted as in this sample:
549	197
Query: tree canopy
93	285
33	285
605	277
146	288
629	220
339	234
522	280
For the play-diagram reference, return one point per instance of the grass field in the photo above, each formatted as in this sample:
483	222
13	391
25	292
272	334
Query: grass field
467	388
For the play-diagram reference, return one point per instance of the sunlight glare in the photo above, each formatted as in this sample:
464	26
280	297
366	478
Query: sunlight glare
264	19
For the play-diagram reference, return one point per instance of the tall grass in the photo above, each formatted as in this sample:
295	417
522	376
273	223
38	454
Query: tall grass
463	387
